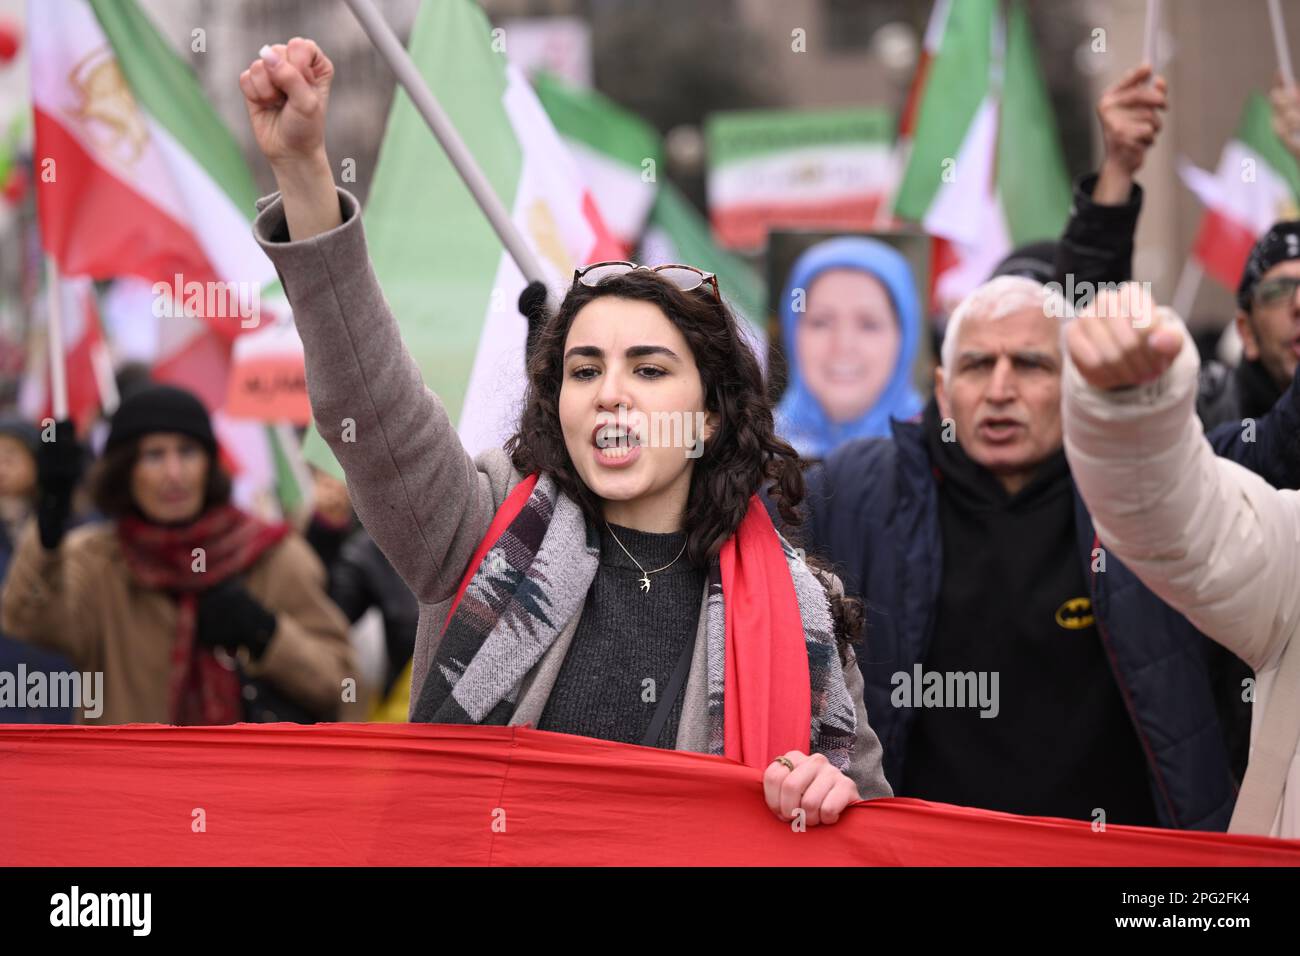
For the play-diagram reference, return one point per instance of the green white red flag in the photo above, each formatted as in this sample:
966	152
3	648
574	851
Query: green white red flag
137	178
136	174
812	169
618	155
86	357
1255	184
677	233
984	169
450	282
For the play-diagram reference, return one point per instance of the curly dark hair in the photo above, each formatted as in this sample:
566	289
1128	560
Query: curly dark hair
741	454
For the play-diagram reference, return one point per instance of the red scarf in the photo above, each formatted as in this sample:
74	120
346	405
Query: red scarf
767	709
201	690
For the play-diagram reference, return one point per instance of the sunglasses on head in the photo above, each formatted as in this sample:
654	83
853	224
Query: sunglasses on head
685	278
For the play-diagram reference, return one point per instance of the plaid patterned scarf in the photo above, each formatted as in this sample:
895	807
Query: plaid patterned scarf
532	578
201	689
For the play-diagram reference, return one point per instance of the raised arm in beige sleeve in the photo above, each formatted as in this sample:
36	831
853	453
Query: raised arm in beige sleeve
1212	539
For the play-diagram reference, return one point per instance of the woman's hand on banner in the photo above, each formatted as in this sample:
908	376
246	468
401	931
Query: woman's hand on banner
812	787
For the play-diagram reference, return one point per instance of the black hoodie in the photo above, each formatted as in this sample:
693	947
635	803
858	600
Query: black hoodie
1014	599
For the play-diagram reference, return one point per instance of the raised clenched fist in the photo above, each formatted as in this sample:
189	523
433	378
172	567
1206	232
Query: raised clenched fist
1123	339
287	91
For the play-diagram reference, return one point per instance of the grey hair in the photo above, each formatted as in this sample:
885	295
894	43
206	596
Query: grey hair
997	299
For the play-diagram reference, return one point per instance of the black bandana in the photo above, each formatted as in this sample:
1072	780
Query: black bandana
1280	244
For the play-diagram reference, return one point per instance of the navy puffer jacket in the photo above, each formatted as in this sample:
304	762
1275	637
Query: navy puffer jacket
873	510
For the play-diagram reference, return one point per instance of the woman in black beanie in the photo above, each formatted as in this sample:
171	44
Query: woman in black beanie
183	601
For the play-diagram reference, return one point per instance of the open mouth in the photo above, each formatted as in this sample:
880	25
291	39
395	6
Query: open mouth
999	430
616	445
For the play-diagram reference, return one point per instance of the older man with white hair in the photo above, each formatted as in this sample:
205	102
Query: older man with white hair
1010	662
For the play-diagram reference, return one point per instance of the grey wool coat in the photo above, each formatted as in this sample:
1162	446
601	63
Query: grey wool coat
423	499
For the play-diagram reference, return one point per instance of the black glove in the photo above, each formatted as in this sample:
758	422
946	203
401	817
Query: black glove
230	618
532	306
58	469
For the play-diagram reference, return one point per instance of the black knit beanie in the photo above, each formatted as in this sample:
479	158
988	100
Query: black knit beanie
161	408
1034	260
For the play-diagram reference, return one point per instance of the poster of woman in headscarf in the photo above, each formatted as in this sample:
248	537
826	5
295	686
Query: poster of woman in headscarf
853	333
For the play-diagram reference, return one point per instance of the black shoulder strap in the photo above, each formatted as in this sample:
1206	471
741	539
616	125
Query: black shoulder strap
674	688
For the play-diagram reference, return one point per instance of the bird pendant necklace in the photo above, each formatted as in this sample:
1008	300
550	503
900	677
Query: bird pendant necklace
644	582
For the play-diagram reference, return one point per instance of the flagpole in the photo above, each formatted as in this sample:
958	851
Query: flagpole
291	448
54	335
1152	35
1189	283
102	365
1279	43
400	62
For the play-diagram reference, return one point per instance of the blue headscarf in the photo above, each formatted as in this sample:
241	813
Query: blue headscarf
800	418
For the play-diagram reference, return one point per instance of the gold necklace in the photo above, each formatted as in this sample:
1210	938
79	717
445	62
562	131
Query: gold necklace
644	581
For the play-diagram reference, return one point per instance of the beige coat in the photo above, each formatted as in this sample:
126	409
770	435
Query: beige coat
81	601
1212	539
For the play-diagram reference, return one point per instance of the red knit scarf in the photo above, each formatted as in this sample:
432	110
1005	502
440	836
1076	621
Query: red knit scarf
201	690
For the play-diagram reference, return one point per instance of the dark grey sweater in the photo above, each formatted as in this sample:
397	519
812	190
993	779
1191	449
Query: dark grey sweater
602	689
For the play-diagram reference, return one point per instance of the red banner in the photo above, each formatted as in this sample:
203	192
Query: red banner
417	795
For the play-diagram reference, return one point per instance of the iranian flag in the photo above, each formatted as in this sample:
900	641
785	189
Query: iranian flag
135	172
449	280
618	155
139	180
88	366
677	233
985	171
1256	184
813	169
